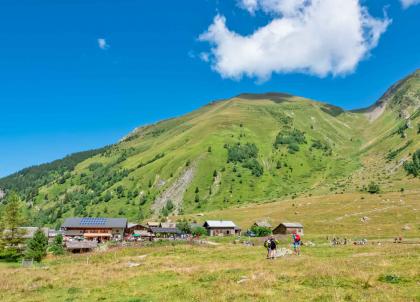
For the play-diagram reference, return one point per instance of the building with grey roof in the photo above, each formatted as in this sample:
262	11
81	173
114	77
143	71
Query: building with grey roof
289	228
95	228
221	228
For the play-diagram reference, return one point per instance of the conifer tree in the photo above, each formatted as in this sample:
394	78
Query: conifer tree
11	236
37	246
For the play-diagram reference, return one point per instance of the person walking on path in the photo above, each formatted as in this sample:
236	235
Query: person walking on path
296	243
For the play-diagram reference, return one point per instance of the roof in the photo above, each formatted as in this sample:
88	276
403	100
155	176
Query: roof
90	222
292	224
85	244
168	225
166	230
153	224
265	224
29	232
143	233
219	224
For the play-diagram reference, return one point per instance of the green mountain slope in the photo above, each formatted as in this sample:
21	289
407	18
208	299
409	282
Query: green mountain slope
250	148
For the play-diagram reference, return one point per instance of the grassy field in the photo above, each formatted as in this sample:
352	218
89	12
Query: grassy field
223	271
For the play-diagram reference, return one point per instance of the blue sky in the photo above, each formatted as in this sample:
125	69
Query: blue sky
62	90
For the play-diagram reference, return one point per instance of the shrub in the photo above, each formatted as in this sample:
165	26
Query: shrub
287	137
184	227
240	153
260	231
373	188
401	129
57	246
413	167
254	166
199	231
293	148
393	279
245	154
108	196
323	146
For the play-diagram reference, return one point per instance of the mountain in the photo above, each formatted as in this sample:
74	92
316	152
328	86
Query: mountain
250	148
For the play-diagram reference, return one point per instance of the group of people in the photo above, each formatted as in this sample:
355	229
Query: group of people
271	245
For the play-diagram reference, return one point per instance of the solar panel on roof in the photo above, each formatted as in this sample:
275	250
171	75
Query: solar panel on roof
93	221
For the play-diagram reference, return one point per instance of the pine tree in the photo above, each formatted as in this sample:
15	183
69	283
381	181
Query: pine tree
11	236
57	245
37	246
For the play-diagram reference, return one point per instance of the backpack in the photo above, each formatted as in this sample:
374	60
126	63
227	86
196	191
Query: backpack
273	244
266	243
297	238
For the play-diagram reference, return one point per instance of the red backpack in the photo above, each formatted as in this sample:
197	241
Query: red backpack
297	237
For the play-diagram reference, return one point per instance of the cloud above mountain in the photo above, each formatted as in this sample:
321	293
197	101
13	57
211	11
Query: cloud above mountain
407	3
318	37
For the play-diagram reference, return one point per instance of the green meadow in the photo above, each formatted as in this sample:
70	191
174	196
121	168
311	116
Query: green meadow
225	270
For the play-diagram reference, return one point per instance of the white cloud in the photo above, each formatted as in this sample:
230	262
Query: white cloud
281	7
407	3
102	43
250	5
318	37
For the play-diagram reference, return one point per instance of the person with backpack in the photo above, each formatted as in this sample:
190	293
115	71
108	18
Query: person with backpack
273	247
296	243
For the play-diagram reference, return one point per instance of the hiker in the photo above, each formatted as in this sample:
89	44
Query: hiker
296	243
273	247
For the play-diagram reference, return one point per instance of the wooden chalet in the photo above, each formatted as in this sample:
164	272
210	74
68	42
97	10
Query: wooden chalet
99	229
221	228
289	228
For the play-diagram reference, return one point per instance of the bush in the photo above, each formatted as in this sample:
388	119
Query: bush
288	137
260	231
240	153
413	167
245	154
393	279
373	188
293	148
323	146
401	129
199	231
254	166
184	227
57	246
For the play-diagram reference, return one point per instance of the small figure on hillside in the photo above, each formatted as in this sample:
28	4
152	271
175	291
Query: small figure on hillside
296	243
